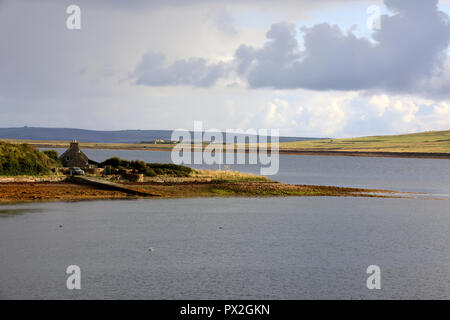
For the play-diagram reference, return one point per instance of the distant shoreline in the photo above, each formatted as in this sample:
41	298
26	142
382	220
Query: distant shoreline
287	151
420	155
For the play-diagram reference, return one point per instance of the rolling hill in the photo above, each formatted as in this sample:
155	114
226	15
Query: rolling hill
422	142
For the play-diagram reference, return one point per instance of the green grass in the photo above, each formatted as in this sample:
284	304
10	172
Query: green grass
228	176
428	142
23	159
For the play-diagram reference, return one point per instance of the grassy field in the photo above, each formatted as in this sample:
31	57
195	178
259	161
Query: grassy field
423	142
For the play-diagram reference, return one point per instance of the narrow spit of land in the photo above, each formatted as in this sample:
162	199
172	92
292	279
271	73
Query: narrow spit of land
204	183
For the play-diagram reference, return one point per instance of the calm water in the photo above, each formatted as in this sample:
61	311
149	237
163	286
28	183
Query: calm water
240	248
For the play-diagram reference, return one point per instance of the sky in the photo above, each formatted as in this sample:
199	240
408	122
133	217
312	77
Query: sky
335	68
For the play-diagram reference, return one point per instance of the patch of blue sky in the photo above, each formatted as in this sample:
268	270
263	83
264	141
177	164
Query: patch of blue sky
445	6
425	110
352	16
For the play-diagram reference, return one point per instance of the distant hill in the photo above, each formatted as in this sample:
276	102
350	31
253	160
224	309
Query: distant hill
122	136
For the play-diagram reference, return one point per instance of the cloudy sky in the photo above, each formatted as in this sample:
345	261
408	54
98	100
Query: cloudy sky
307	67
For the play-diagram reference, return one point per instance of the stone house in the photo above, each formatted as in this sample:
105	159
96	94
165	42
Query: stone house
74	157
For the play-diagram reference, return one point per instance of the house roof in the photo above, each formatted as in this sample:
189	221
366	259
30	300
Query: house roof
74	151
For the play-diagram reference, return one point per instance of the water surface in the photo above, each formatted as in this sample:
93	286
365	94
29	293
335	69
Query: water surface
240	248
271	248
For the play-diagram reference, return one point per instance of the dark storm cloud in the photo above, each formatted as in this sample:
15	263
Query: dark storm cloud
403	55
273	63
410	46
153	71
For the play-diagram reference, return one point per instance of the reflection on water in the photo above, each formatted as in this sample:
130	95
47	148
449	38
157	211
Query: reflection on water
5	213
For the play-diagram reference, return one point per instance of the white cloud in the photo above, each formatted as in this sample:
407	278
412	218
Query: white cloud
344	114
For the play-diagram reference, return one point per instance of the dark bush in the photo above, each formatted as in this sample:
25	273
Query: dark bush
139	166
121	169
113	162
148	169
169	169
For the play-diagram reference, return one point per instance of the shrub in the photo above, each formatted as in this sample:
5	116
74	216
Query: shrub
169	169
113	162
139	166
148	169
52	154
23	159
149	172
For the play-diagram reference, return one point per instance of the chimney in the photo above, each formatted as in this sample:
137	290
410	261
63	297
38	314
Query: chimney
74	145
